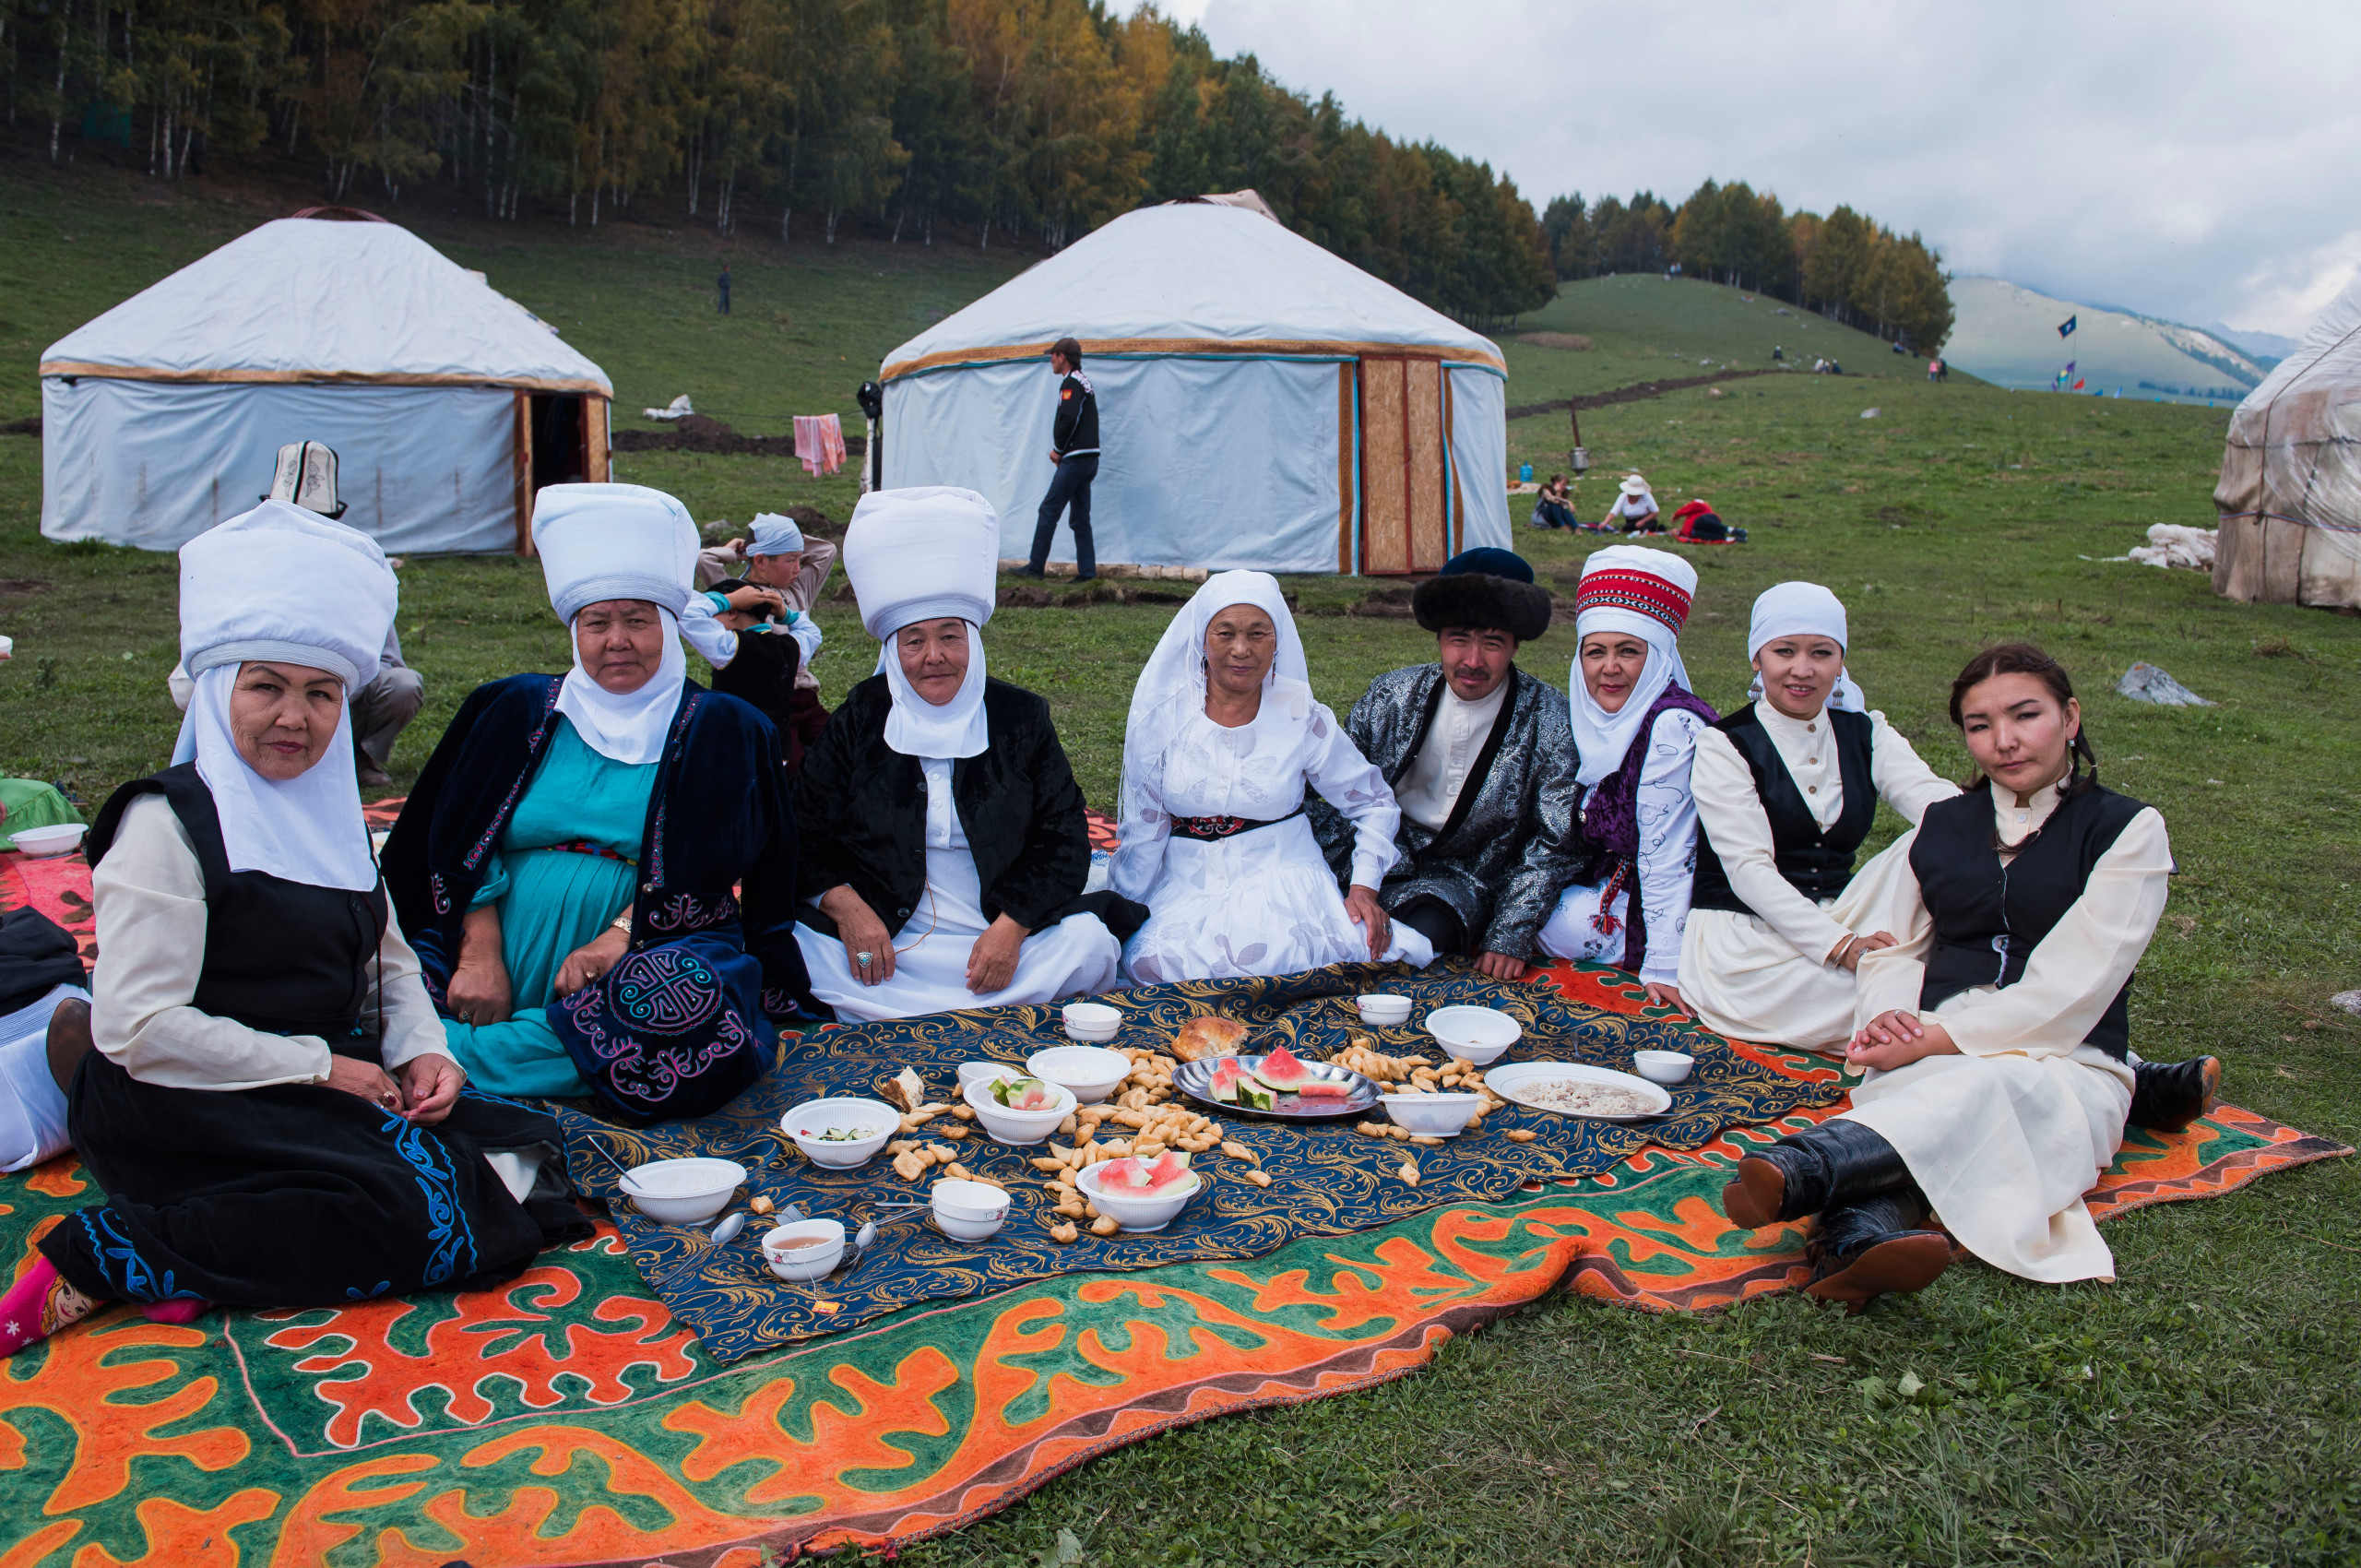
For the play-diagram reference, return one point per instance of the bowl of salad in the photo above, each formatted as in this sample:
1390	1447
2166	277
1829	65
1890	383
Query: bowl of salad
840	1132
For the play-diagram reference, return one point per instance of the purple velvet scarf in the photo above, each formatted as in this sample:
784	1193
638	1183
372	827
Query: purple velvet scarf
1612	820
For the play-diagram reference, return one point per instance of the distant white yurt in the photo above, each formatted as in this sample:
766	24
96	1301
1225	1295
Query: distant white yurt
2290	496
1262	402
447	404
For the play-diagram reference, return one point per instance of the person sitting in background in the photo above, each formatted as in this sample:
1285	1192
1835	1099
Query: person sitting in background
579	845
776	555
1223	739
763	661
1635	731
1480	757
945	842
1555	508
1634	509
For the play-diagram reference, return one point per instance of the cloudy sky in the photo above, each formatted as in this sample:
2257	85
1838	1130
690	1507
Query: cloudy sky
2193	161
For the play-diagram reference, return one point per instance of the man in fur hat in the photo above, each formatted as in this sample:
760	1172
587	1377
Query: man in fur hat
1481	757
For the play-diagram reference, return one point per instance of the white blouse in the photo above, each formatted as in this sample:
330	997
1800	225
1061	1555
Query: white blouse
1431	788
149	893
1665	804
1731	809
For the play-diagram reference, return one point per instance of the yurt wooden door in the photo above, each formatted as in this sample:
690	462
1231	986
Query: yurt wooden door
1404	519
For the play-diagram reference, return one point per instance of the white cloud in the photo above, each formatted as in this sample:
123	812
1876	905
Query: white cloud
2180	158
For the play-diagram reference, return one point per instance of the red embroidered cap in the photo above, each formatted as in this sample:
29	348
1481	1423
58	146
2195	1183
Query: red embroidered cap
1655	583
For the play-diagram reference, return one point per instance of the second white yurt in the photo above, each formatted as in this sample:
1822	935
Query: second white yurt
1262	402
447	404
2289	497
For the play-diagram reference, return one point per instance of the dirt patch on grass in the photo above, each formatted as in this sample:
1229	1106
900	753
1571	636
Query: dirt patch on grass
1639	391
23	427
1574	340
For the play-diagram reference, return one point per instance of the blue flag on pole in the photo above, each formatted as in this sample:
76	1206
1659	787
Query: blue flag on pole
2066	326
2070	368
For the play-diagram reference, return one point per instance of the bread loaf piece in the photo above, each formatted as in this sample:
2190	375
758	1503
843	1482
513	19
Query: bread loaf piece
1208	1034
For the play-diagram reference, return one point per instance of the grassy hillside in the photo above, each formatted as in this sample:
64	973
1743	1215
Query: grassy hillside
2007	334
2200	1410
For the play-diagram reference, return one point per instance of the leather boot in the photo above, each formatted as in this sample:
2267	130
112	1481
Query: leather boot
1874	1247
2167	1096
69	1039
1806	1173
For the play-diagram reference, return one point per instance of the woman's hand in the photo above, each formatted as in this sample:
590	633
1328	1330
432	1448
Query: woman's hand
991	962
1370	915
1661	995
431	1086
1500	966
1852	949
365	1080
862	932
480	992
1895	1039
586	963
749	604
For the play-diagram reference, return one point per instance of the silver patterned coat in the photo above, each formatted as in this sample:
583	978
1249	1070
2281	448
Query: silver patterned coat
1511	845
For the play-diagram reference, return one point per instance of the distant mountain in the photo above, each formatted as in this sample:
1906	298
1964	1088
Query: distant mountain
2267	348
2007	334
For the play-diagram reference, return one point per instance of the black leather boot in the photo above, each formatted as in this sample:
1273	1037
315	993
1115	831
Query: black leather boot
69	1039
2167	1096
1874	1247
1806	1173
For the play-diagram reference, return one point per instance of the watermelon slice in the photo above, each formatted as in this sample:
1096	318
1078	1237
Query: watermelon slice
1255	1095
1024	1093
1228	1075
1283	1071
1136	1178
1326	1088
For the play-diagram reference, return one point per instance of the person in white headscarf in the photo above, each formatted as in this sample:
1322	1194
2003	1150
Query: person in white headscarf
1636	724
946	841
779	559
259	1085
1223	739
1787	788
618	832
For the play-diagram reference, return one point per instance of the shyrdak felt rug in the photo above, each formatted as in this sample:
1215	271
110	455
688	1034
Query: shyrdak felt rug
567	1418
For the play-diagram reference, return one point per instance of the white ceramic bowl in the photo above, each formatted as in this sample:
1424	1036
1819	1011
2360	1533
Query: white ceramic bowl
1138	1214
1018	1126
805	1263
1381	1010
1663	1066
683	1192
40	843
985	1072
1090	1073
1432	1115
814	1116
969	1210
1092	1022
1477	1035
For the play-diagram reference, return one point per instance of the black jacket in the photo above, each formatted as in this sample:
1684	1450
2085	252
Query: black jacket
1075	435
862	806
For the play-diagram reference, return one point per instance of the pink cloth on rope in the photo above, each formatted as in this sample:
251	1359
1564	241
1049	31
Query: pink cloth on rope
820	441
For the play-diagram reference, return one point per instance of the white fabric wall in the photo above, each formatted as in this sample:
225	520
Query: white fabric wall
1213	463
1479	456
153	464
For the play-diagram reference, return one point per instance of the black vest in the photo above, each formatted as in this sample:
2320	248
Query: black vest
1816	862
283	957
1989	917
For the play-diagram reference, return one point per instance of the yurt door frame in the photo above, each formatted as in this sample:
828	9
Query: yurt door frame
585	449
1405	480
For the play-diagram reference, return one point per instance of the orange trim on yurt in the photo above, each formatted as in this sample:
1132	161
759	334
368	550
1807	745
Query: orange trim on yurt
1247	346
344	377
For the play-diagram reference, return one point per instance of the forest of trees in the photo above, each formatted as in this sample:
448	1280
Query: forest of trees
909	119
1845	265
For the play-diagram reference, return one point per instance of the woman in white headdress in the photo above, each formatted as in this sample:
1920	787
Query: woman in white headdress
1788	787
946	843
1224	738
260	1088
1636	724
598	868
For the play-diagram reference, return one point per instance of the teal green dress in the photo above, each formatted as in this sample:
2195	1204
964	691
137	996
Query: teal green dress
552	901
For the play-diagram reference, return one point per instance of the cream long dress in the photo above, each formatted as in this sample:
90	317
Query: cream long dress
2006	1137
1765	977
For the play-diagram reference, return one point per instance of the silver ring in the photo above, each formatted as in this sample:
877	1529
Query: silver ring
865	959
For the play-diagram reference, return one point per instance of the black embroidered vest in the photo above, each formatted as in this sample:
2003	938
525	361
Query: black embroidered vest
1989	917
284	957
1816	861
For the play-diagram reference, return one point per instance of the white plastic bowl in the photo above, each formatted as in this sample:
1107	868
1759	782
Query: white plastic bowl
818	1115
1090	1073
1018	1126
1477	1035
683	1192
1138	1214
805	1263
985	1072
1381	1010
1663	1066
1092	1023
969	1210
1432	1115
40	843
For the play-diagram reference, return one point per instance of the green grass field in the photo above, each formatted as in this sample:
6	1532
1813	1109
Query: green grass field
2201	1410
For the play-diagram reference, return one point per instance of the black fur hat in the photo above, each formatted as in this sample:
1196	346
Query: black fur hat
1483	590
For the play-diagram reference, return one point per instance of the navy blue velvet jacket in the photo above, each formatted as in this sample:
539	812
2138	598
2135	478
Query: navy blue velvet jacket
717	854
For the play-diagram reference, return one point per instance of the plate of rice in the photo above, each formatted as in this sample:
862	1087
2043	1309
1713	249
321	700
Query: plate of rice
1570	1089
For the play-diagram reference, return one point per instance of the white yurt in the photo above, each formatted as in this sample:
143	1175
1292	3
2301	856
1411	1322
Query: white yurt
1262	402
447	404
2290	494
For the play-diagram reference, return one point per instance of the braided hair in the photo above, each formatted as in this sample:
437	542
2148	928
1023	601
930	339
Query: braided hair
2024	659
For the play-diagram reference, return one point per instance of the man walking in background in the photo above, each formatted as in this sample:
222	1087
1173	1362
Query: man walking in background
723	283
1074	449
